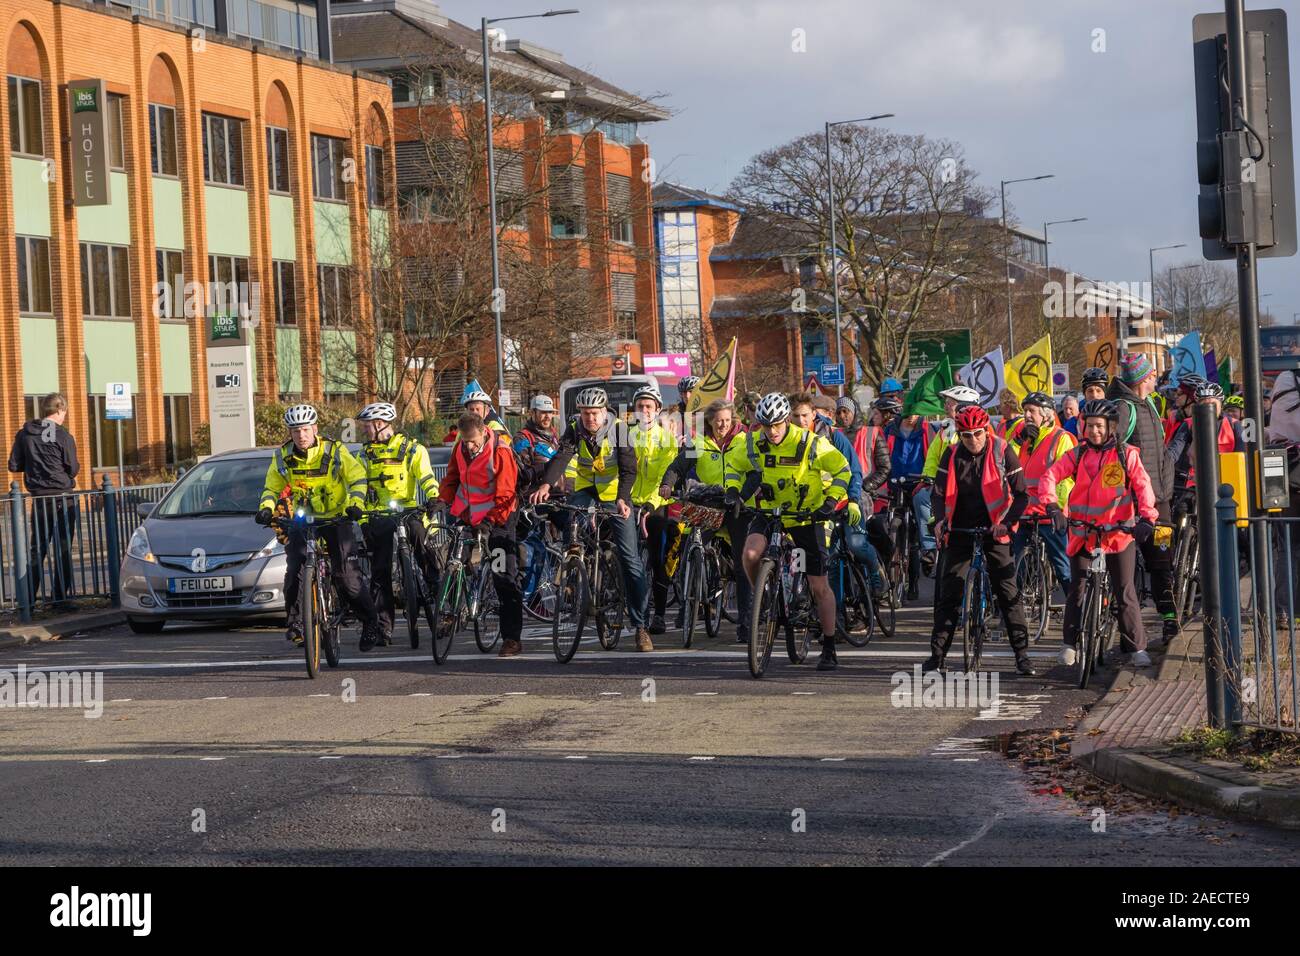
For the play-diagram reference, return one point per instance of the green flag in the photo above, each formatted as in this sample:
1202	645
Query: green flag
1225	375
924	398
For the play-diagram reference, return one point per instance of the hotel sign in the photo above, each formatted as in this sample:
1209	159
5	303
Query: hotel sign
88	126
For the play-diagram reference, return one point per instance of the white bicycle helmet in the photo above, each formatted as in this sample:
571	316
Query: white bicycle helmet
688	383
961	394
477	396
648	391
378	412
772	408
296	415
593	397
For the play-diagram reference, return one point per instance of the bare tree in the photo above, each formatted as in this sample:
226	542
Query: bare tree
1202	296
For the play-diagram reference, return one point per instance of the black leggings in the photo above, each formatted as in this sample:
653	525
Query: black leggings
660	535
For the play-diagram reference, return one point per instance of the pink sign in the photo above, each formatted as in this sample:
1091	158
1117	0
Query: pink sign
671	365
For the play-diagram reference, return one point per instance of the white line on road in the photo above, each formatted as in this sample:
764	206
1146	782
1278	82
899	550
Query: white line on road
706	693
320	695
216	698
803	693
516	693
448	756
832	759
98	760
575	756
701	758
332	757
121	700
965	843
419	695
965	759
212	758
610	693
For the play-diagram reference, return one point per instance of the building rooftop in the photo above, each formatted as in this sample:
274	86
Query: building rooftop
668	195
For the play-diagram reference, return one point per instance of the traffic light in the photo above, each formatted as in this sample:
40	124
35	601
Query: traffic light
1247	176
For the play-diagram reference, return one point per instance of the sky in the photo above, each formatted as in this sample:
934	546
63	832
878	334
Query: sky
1098	93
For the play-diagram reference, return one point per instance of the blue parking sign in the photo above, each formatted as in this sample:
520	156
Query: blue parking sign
833	374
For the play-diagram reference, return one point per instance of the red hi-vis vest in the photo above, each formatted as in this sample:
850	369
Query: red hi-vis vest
993	482
478	481
1037	462
1227	443
1103	496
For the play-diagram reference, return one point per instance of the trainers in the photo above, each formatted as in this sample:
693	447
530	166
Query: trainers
932	663
828	661
510	648
1170	629
643	642
1067	655
384	640
1139	659
927	563
657	624
1025	667
295	634
913	593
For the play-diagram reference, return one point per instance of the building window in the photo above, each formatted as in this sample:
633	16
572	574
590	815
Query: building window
286	295
176	427
223	150
512	211
424	87
327	162
169	292
103	438
282	25
34	276
116	149
105	282
334	295
620	229
375	182
625	325
417	203
277	159
568	224
25	128
162	140
228	279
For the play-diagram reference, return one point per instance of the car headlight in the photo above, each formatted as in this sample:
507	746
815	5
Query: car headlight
273	547
139	546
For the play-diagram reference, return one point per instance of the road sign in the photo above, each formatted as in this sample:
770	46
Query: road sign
503	397
1060	378
117	401
667	365
833	374
926	349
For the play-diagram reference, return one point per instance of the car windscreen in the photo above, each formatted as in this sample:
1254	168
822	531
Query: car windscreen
219	486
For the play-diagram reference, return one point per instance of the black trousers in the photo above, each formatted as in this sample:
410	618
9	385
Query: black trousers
503	553
1159	564
54	520
379	534
955	560
660	535
737	528
1122	568
344	564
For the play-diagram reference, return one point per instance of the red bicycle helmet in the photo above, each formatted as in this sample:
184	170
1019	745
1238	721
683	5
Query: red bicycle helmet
971	418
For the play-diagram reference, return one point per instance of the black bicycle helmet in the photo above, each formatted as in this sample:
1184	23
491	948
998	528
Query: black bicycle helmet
1095	376
1209	390
1101	408
1041	399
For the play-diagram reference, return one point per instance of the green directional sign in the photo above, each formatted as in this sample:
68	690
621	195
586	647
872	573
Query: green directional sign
927	349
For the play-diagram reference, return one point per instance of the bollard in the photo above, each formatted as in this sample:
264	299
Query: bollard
1205	441
22	570
1230	605
111	542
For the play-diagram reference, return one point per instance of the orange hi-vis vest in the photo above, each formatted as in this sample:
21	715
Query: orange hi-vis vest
478	481
993	482
864	444
1102	496
1227	443
1037	462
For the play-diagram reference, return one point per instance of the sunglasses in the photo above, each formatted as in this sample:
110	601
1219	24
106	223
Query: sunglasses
971	434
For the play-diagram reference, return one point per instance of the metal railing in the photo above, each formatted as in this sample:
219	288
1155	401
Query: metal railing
55	549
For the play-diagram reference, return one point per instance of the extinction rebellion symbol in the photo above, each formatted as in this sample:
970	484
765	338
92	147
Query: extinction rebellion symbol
1035	373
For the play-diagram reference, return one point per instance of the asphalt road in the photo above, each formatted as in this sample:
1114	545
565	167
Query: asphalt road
214	748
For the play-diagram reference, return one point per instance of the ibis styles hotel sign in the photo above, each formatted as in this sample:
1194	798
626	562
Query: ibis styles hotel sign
88	129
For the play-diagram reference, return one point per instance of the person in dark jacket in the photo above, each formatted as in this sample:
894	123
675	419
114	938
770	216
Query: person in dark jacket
1140	424
46	454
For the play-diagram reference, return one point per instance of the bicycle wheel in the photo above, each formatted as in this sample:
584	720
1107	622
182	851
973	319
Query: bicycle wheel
798	619
540	603
1089	627
857	611
329	620
1032	583
764	616
440	635
610	605
899	564
487	622
973	620
571	607
714	594
410	595
693	584
310	617
447	612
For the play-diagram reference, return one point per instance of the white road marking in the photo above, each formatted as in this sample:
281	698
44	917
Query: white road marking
319	695
706	693
98	760
216	698
448	756
958	745
419	695
575	756
701	758
803	693
121	700
965	843
212	758
610	693
332	757
965	759
516	693
832	759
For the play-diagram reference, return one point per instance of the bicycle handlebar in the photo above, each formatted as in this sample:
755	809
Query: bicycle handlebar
1103	528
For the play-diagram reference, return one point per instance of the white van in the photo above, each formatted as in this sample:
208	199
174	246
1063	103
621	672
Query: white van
619	388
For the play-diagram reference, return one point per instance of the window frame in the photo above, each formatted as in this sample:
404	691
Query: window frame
272	153
116	130
19	139
338	291
278	267
163	256
333	145
23	248
117	262
156	152
233	164
376	186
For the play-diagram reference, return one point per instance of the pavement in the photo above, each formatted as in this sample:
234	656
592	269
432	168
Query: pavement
55	626
1125	739
213	747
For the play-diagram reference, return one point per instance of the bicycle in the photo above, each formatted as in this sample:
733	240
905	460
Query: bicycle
1035	579
979	608
589	582
540	572
904	567
318	605
855	607
466	593
781	598
409	582
1186	568
1097	617
699	571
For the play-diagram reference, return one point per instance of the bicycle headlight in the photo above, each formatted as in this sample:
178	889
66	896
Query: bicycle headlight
138	547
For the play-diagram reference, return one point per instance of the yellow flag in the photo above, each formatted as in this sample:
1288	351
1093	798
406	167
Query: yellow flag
1031	370
1103	353
719	383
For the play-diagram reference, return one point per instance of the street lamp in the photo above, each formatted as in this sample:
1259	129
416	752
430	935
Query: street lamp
492	182
1047	246
1151	263
1011	328
835	260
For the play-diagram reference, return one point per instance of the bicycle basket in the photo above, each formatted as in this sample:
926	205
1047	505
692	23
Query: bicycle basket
701	517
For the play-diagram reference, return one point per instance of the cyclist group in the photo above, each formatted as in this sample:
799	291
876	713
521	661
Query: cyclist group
1119	465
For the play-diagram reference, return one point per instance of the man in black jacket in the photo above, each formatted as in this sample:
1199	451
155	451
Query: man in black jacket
46	453
1139	424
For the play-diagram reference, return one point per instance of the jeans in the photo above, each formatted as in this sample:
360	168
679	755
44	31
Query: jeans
1054	543
629	555
921	508
864	552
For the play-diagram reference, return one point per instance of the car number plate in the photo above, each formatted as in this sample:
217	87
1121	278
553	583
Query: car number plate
199	585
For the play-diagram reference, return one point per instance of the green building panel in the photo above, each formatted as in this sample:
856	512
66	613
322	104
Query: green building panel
110	354
112	223
379	238
288	358
31	197
40	355
333	234
174	341
168	214
227	214
283	244
339	360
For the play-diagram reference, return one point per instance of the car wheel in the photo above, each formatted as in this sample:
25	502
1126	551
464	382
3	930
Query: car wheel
145	625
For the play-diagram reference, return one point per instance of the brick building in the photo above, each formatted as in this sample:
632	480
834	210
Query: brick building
238	155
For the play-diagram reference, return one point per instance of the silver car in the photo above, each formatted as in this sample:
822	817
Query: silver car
200	555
